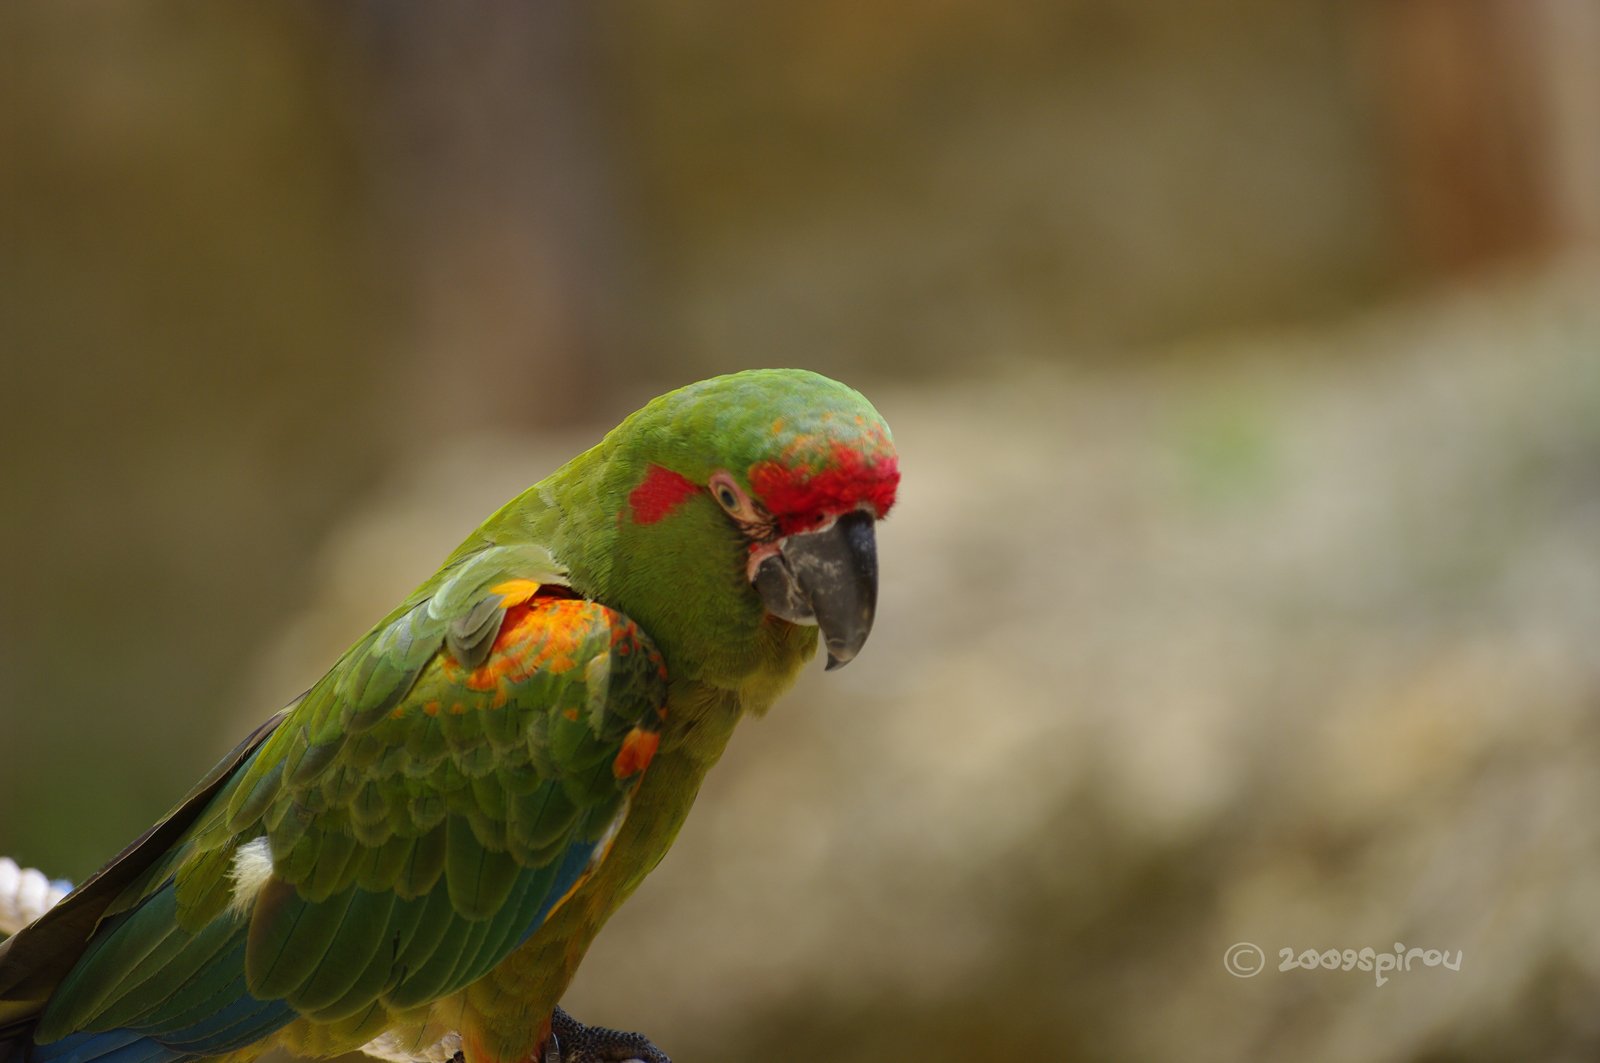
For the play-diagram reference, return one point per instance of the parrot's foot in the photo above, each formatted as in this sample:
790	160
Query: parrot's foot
573	1042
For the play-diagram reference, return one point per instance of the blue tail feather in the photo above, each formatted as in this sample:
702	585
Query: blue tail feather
104	1046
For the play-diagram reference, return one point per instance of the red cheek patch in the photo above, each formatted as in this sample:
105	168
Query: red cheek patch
661	492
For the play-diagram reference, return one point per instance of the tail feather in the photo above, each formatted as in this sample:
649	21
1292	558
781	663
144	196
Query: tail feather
109	1046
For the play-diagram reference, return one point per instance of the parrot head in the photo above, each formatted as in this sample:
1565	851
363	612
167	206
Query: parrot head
745	508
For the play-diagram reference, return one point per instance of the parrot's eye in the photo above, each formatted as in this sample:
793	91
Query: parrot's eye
731	497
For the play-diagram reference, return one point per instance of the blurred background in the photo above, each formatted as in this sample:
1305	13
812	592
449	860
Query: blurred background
1244	359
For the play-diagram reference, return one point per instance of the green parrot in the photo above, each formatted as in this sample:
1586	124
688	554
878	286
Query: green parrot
412	858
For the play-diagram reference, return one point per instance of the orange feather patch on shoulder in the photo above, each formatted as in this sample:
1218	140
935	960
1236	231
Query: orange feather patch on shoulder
538	635
549	634
541	634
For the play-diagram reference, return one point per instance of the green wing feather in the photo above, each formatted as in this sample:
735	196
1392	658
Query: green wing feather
425	805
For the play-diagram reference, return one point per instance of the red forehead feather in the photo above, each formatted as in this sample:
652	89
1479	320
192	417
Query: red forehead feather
795	494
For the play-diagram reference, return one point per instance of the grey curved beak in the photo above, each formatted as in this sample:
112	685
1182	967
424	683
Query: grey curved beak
828	578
